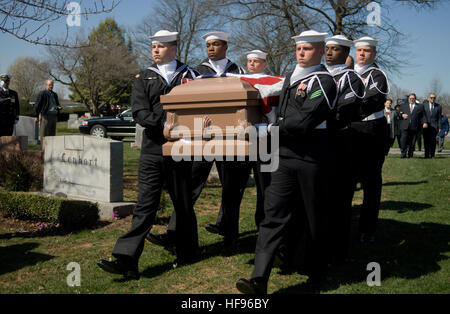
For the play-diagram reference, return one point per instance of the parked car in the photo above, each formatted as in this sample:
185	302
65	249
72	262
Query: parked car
116	127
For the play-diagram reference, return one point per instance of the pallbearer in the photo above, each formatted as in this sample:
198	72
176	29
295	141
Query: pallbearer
306	103
350	95
233	175
256	64
154	169
369	135
256	61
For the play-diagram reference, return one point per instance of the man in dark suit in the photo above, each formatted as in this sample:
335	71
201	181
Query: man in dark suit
412	115
9	106
432	124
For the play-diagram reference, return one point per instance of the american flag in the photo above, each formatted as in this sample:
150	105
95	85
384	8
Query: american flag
269	88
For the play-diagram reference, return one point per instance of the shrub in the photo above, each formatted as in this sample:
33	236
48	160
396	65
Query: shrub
68	213
17	178
21	171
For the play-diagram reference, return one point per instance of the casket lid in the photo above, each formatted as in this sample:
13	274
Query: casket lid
211	89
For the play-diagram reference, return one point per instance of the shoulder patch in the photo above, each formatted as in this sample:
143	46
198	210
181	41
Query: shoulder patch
316	94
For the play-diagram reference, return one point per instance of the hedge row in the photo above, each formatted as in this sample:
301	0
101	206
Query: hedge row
68	213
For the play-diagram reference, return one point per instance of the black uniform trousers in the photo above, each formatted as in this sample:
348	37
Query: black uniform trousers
233	176
307	181
153	171
341	194
200	173
419	140
408	142
262	181
429	141
368	150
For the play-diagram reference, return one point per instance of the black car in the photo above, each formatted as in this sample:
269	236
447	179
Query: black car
116	127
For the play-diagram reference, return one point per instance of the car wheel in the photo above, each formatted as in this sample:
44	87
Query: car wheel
98	131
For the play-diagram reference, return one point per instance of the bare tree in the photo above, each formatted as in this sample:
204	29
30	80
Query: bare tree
190	18
97	73
254	28
444	100
28	77
348	17
30	20
435	85
397	93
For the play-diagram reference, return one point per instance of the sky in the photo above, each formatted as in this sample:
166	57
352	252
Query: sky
428	43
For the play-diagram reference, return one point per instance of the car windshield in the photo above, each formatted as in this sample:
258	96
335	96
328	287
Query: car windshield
126	113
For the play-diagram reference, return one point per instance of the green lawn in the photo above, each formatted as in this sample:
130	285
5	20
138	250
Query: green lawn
412	245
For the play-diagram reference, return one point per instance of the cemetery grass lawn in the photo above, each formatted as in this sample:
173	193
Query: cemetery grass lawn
412	245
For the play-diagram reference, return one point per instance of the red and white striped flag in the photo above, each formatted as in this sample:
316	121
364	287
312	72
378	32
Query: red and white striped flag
269	88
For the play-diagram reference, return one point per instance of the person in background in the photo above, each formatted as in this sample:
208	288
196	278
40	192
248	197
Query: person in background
411	123
46	111
397	118
389	113
432	124
9	106
444	131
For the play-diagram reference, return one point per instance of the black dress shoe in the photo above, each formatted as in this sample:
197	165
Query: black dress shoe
161	240
251	286
119	267
213	228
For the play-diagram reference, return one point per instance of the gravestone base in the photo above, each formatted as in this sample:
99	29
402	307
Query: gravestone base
106	211
109	211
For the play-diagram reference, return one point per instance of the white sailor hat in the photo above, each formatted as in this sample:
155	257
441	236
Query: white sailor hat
366	41
310	36
340	40
256	54
164	36
5	77
216	35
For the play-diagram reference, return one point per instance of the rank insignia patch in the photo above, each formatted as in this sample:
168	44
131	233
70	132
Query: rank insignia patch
316	94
